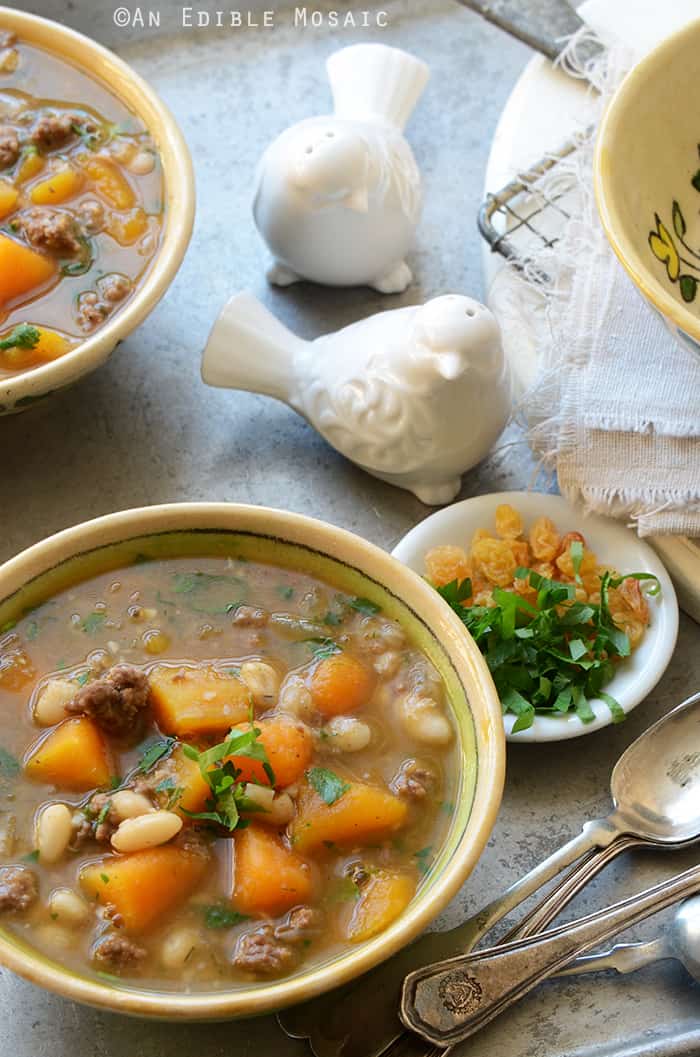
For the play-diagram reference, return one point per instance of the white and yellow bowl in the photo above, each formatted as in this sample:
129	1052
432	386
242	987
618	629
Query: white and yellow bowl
647	180
22	390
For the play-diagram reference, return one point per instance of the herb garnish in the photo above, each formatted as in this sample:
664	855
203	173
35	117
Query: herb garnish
322	647
9	766
93	622
228	798
174	792
364	605
219	916
23	336
552	656
329	786
344	890
422	858
154	752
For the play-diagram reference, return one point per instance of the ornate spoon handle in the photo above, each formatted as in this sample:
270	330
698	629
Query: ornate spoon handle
449	1001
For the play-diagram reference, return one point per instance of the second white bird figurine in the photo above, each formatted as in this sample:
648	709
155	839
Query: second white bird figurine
415	395
338	197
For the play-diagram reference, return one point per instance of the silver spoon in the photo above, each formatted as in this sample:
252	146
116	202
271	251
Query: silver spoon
448	1002
680	940
653	801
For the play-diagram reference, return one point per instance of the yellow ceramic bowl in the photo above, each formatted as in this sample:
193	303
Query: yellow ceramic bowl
647	180
20	391
357	567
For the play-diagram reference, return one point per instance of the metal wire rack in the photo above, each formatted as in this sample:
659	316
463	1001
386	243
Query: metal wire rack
524	215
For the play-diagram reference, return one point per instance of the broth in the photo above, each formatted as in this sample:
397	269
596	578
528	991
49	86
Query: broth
81	205
355	726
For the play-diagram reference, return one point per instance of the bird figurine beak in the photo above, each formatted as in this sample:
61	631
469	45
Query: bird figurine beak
450	365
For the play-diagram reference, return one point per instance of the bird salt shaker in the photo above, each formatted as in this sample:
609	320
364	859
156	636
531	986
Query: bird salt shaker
338	198
416	395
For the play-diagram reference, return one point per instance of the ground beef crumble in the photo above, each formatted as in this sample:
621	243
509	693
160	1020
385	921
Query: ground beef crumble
52	231
414	780
18	888
117	951
53	130
9	146
270	950
116	702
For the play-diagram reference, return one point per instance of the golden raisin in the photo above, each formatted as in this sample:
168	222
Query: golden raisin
445	564
544	539
509	524
495	560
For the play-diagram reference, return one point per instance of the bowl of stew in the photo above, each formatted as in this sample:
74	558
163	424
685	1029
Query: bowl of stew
244	757
96	205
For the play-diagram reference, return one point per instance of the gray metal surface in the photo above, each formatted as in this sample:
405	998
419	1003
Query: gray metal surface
144	430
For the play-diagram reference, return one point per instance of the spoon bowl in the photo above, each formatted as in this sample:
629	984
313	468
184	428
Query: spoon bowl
684	936
655	784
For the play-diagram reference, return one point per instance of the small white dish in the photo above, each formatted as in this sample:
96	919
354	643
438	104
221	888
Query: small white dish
613	545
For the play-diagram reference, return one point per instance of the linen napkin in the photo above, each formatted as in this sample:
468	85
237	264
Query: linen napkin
616	408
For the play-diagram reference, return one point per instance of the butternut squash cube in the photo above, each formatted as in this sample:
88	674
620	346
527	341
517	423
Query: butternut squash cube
59	187
192	700
188	778
22	269
146	885
384	896
9	196
268	878
364	814
72	756
108	180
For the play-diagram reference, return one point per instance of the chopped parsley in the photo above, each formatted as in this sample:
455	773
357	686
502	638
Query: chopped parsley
285	592
154	752
344	890
23	336
219	916
423	858
32	856
329	786
228	799
322	647
174	792
9	765
551	656
93	622
364	605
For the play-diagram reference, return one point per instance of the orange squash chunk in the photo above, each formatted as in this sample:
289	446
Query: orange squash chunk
59	187
363	814
188	778
21	269
191	700
145	885
268	879
128	228
108	180
289	749
341	683
72	756
9	196
381	900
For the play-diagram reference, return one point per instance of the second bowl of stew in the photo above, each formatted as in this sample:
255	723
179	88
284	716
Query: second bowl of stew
244	756
96	205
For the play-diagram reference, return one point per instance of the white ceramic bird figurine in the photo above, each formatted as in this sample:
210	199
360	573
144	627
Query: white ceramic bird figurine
338	198
415	395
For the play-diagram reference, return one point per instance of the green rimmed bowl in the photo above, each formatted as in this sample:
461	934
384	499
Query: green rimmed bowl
357	567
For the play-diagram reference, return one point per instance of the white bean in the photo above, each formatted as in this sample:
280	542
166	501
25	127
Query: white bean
346	734
262	680
146	831
260	795
51	706
142	163
128	804
55	936
424	721
387	664
54	829
295	697
67	907
281	812
178	946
